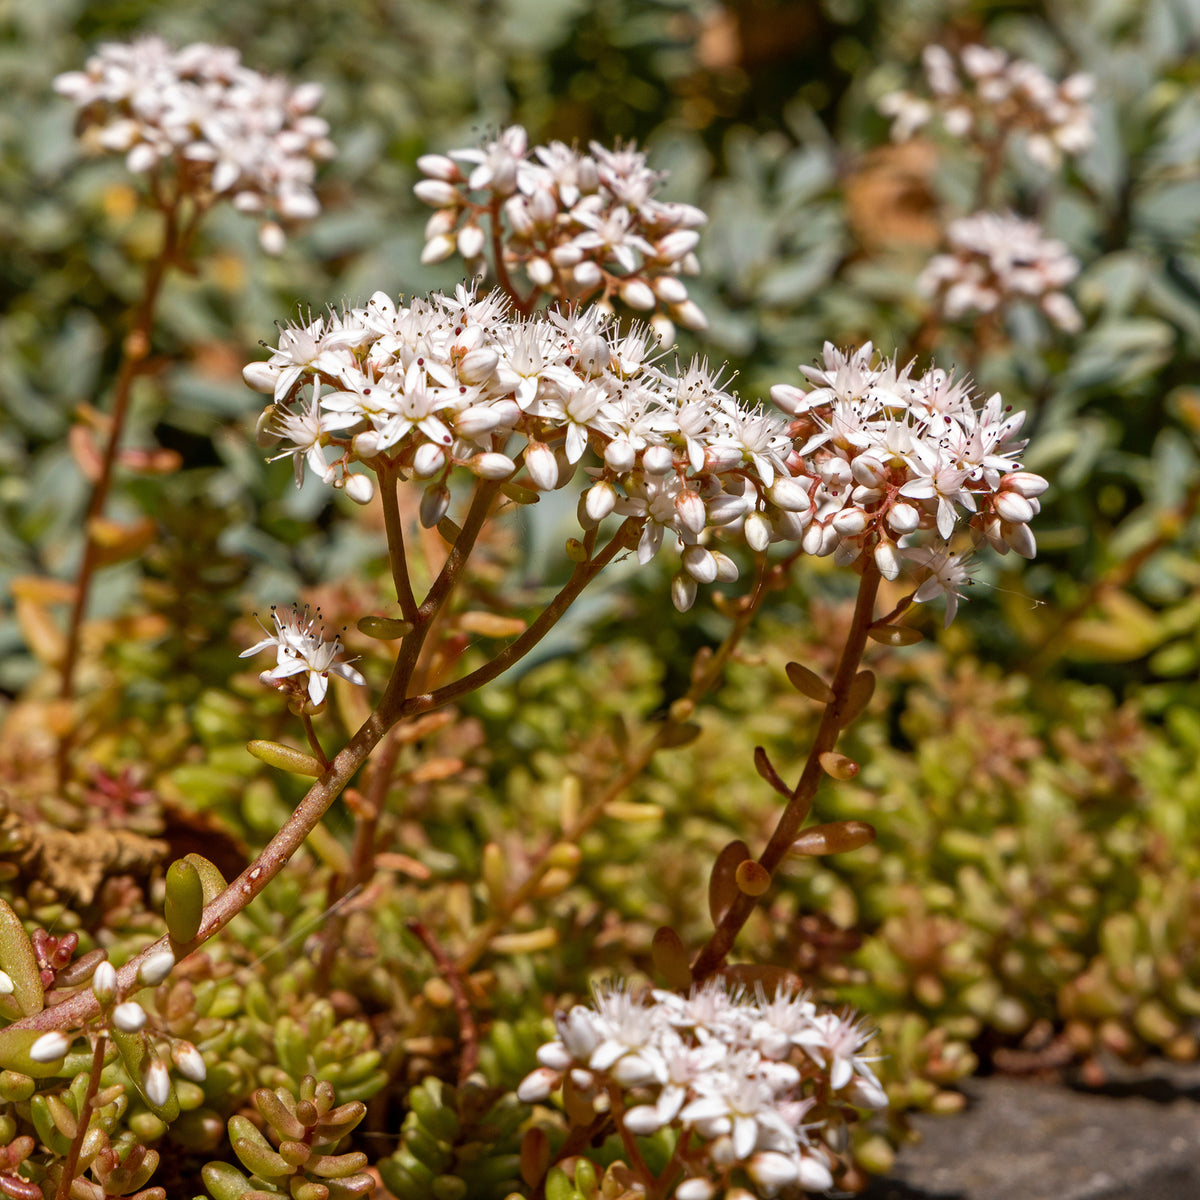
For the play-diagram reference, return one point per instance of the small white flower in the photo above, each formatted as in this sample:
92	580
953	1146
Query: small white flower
301	648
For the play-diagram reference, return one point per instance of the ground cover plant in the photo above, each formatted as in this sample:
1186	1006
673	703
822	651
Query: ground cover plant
512	753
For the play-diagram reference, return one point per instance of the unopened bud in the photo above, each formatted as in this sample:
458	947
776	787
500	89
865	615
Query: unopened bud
104	983
360	488
156	968
156	1082
542	466
129	1017
50	1047
638	294
189	1062
838	765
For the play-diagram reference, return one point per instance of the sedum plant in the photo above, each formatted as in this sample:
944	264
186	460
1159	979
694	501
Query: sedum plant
444	415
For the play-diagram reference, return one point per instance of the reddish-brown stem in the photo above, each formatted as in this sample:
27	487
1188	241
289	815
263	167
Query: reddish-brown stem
712	956
633	1153
71	1162
134	350
313	741
468	1032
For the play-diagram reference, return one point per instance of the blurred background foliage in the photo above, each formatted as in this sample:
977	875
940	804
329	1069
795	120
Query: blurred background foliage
1033	899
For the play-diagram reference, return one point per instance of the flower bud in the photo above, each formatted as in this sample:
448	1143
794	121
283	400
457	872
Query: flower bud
271	237
542	466
359	488
428	460
440	223
539	272
543	207
439	166
903	518
727	569
6	984
675	245
537	1086
50	1047
189	1062
489	465
695	1189
693	516
658	460
470	241
438	249
588	274
104	983
129	1017
758	531
637	294
670	289
868	470
567	255
725	509
887	559
437	193
260	376
700	564
789	494
156	968
690	316
1012	507
683	591
435	501
156	1081
600	500
619	456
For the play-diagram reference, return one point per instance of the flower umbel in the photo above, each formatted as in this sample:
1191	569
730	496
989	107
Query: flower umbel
302	649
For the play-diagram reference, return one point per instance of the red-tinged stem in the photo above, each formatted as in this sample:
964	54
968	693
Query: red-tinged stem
468	1032
712	956
71	1162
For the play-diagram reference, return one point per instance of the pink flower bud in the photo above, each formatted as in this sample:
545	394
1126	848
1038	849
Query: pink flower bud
360	488
490	465
683	591
692	514
438	166
542	466
436	193
638	294
1012	507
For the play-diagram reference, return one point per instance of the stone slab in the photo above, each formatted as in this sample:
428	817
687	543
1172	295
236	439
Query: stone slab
1136	1139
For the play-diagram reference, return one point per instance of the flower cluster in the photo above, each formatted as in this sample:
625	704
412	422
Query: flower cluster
461	382
760	1085
996	258
222	128
985	95
886	455
302	649
579	226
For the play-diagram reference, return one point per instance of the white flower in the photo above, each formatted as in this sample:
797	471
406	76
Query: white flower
947	573
302	648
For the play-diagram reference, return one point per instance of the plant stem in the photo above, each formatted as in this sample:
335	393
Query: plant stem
502	276
71	1162
135	348
712	956
447	969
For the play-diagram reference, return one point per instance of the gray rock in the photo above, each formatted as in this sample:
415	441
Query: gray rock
1136	1139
